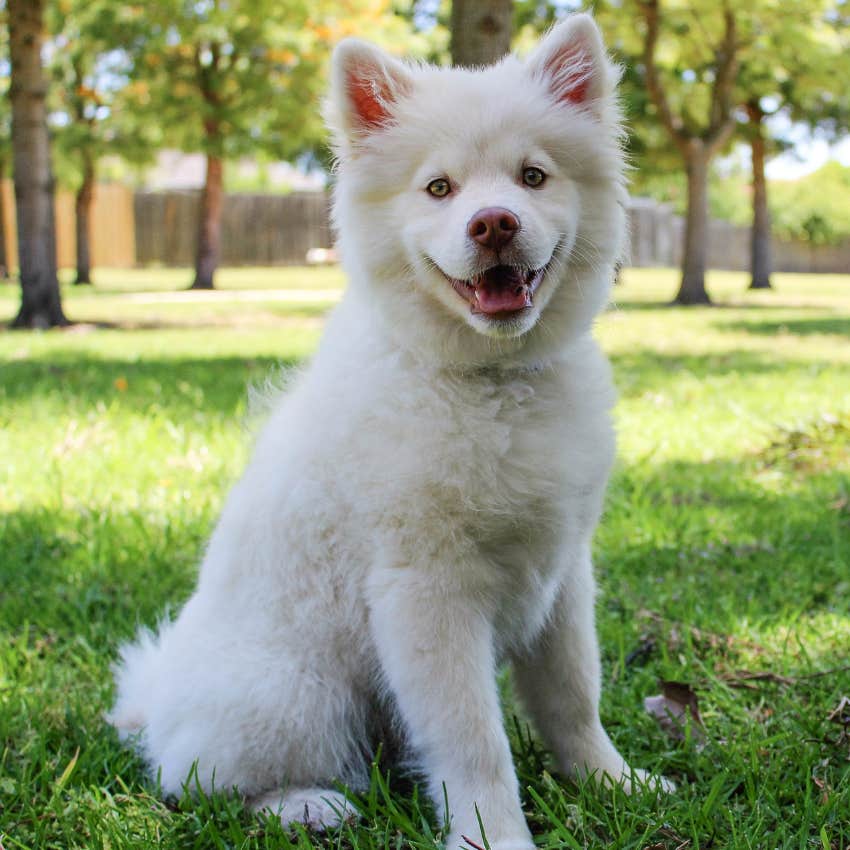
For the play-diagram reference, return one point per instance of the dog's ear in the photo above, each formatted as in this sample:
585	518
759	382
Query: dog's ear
366	83
571	61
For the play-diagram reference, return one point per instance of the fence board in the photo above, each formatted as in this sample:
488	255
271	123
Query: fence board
112	237
255	229
657	237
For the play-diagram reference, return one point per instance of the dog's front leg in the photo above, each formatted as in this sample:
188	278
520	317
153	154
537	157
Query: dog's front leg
558	679
435	644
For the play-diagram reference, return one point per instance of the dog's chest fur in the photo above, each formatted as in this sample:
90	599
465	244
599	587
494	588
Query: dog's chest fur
487	483
506	464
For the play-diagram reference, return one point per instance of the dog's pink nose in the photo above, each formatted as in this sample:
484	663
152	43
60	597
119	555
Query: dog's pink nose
493	227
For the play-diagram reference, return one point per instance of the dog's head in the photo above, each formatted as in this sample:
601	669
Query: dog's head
481	210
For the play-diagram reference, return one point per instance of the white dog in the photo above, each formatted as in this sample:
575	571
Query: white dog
420	504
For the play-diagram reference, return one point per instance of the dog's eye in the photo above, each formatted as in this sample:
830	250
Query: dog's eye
439	188
533	177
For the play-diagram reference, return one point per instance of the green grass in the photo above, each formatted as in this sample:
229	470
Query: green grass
724	552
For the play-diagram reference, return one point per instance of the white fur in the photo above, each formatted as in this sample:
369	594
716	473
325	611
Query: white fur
420	504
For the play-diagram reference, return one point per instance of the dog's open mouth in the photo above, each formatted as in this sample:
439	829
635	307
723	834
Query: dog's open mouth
501	291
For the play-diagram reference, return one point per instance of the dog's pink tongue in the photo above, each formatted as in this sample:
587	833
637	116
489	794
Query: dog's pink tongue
501	290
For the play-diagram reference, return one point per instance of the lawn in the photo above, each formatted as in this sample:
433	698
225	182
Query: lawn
723	558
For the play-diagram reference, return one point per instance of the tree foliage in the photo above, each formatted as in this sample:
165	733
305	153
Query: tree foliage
90	74
699	70
795	57
253	71
229	79
815	208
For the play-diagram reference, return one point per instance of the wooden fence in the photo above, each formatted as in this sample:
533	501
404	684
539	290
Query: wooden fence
260	230
657	239
113	236
256	230
144	228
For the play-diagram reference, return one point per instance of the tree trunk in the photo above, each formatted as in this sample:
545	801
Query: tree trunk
209	229
41	305
82	208
760	244
692	289
4	262
481	31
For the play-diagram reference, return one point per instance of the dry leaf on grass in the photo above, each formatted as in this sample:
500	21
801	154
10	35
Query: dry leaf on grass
671	708
824	789
841	715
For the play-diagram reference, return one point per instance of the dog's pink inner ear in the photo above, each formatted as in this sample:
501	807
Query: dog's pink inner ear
570	71
370	96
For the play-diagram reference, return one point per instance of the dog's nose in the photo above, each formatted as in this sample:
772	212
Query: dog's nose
493	227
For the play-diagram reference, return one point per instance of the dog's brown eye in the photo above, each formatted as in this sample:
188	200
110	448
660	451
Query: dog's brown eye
439	188
533	177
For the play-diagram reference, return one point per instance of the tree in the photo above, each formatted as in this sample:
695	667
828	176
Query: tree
90	73
699	64
81	133
790	68
481	31
215	75
41	305
760	236
230	79
5	159
5	145
700	120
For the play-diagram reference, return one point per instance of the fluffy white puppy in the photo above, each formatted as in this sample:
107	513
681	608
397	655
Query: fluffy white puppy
420	504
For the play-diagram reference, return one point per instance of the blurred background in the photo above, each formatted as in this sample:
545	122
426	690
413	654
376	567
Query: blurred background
188	134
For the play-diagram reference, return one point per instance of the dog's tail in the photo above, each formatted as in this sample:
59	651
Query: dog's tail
135	683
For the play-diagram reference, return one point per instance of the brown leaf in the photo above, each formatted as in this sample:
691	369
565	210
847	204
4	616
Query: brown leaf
841	715
671	708
824	789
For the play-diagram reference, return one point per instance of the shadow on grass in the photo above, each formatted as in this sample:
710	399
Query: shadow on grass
702	542
643	370
183	385
220	383
94	574
260	314
832	325
711	544
639	306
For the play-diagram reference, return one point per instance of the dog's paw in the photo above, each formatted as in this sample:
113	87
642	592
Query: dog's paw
315	808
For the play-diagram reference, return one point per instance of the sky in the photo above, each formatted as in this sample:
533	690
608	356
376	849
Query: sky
809	153
807	157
